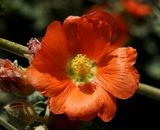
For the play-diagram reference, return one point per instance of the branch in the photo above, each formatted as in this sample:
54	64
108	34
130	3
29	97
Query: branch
13	47
6	124
149	91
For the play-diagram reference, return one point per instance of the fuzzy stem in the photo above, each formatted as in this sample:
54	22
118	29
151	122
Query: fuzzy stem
7	125
13	47
149	91
146	90
47	113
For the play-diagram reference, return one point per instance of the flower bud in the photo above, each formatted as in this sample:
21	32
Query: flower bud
13	78
34	46
20	113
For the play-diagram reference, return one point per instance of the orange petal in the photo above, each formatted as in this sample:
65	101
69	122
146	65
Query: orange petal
53	55
70	27
116	73
84	102
109	108
45	83
56	103
94	34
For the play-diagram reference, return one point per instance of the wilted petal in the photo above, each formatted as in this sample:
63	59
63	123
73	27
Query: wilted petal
13	78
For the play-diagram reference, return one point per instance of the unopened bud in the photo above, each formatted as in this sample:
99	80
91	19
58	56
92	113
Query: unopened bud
13	78
20	113
33	47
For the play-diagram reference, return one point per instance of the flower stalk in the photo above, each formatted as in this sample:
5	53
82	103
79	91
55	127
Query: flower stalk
149	91
18	49
13	47
47	113
7	125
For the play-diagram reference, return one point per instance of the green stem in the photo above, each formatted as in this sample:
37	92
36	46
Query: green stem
47	113
149	91
13	47
20	50
6	125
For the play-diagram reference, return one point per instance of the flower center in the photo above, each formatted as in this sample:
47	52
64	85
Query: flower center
81	69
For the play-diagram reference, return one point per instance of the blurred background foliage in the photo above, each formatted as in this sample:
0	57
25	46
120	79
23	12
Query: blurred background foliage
21	20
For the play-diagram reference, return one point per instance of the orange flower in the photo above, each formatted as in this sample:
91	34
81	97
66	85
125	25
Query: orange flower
81	71
136	8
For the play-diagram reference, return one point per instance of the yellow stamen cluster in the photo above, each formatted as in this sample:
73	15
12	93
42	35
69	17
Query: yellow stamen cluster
81	65
81	69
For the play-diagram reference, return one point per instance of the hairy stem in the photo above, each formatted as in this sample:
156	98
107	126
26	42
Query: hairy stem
13	47
149	91
6	125
47	113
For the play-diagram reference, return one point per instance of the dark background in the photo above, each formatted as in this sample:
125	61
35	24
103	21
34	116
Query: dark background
21	20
